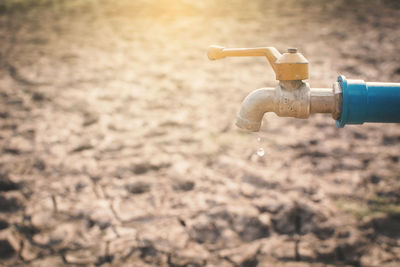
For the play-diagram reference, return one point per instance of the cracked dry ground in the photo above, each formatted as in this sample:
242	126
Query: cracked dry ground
118	146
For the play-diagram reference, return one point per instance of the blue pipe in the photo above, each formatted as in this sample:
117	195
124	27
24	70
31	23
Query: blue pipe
368	102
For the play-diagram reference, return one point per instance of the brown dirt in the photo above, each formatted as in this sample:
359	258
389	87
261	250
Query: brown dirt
118	146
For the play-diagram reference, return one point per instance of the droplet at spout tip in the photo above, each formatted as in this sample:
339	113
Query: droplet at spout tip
247	125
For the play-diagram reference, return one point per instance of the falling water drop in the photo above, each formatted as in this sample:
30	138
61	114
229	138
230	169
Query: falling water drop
260	152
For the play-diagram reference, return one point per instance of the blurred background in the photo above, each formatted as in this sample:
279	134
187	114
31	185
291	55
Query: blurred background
118	145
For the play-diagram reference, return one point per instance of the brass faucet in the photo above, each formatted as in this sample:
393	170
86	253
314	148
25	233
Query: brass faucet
291	98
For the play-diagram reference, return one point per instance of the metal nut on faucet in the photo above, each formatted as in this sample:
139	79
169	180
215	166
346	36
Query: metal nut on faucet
291	66
337	94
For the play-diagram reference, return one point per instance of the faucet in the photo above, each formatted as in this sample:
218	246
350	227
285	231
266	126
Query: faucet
348	101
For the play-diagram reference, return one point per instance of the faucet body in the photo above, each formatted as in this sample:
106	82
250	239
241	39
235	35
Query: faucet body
348	101
289	99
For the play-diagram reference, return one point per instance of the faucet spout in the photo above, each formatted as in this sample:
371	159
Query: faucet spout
253	108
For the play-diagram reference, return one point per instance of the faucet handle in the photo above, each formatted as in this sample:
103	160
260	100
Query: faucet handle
219	52
289	66
215	52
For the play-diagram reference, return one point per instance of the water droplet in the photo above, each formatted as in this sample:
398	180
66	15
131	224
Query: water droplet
260	152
